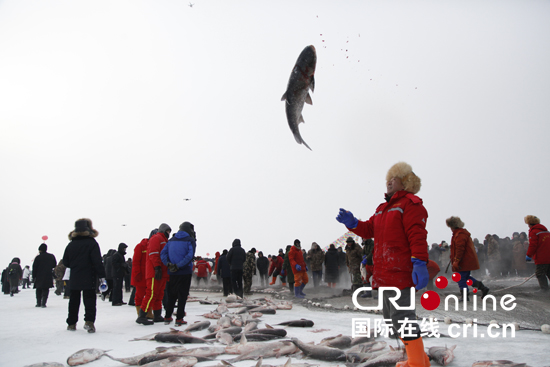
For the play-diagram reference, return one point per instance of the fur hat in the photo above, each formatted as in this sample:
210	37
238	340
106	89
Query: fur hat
411	182
531	220
83	227
454	222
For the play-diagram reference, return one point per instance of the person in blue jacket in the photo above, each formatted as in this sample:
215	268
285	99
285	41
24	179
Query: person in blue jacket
178	256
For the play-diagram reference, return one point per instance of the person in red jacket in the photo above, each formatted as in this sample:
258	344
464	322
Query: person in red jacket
299	269
275	268
433	270
400	253
203	270
138	270
464	257
539	250
156	276
218	278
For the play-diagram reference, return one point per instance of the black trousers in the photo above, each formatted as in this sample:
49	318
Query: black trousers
178	290
227	286
42	296
116	295
89	298
237	282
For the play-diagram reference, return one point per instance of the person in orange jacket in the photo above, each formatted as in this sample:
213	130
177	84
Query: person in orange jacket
299	269
156	276
400	253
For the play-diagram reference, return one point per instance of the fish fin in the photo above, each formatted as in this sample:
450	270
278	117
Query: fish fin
308	99
288	363
301	119
312	83
259	364
267	326
283	98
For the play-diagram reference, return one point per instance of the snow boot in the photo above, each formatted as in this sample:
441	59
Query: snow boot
302	290
180	322
543	283
142	318
71	327
168	320
89	325
484	290
297	293
273	281
158	316
416	357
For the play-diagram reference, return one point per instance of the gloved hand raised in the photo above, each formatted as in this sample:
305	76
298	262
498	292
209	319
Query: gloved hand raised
527	258
298	267
158	273
346	218
420	273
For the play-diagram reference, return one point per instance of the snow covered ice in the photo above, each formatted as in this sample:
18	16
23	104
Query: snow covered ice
31	335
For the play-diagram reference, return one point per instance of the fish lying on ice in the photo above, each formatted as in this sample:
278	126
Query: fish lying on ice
320	351
85	356
442	355
46	364
159	350
298	323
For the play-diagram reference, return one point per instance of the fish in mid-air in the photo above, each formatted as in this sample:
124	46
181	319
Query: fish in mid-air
297	92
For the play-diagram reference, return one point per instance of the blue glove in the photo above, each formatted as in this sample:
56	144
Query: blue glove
420	273
364	262
283	273
298	267
527	258
347	219
307	269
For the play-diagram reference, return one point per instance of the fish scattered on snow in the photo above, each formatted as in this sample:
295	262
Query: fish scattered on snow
159	350
180	338
84	356
386	359
46	364
498	363
297	92
339	341
198	325
442	355
298	323
320	351
173	362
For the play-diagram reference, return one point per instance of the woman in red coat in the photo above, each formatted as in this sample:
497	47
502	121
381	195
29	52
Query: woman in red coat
464	256
539	250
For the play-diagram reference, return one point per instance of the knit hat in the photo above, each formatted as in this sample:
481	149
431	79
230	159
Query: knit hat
402	170
454	222
43	247
531	220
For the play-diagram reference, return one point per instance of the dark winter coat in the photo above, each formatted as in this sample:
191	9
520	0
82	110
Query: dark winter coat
316	258
118	262
539	244
249	267
236	256
354	256
83	256
331	265
263	264
42	270
179	250
224	270
15	273
341	258
288	268
108	264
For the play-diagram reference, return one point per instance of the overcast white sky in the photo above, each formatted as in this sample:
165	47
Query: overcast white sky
117	111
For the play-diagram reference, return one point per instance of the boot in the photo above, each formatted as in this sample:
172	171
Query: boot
137	309
44	300
291	287
273	281
142	318
71	327
302	289
158	317
484	290
543	282
416	357
297	292
89	325
284	284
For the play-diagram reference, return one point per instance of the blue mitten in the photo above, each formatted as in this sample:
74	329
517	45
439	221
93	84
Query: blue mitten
347	219
298	267
527	258
420	273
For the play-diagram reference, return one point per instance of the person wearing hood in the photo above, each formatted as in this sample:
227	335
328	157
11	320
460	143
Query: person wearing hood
108	265
287	276
156	276
15	273
316	258
400	254
224	271
539	250
354	256
299	269
119	269
263	265
178	256
138	271
42	269
464	257
331	266
83	256
236	258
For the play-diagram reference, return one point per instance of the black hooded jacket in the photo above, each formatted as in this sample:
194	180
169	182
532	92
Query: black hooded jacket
236	256
119	267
